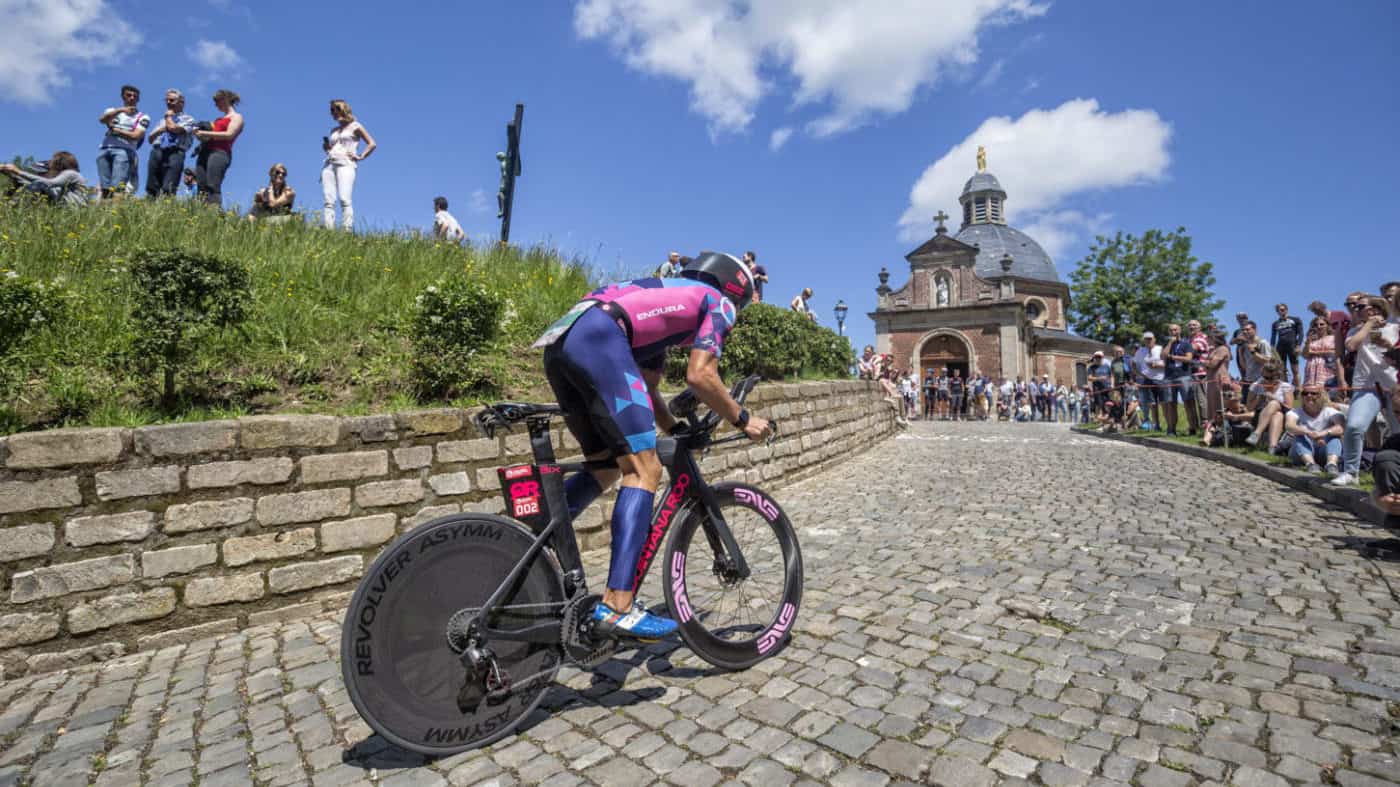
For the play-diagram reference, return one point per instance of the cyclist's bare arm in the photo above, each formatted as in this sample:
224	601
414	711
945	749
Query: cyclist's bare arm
702	375
664	419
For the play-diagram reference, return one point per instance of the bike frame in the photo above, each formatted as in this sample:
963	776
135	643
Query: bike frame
687	488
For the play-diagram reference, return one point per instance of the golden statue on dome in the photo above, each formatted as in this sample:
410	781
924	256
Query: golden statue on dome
981	159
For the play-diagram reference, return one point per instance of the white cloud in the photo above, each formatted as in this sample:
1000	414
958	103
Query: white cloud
215	57
857	59
1044	158
478	202
779	138
992	76
41	39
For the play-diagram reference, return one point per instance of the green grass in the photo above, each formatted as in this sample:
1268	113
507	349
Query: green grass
326	333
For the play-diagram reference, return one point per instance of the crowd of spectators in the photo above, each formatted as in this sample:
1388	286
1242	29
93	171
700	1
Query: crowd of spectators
172	136
1324	396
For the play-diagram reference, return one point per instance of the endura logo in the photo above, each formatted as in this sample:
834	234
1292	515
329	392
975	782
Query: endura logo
660	310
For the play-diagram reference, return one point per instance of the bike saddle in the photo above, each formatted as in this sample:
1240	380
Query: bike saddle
503	414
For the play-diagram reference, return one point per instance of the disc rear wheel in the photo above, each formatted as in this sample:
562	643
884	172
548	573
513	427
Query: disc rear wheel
400	655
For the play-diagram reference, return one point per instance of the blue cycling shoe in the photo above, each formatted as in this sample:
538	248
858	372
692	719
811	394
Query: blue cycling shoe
637	624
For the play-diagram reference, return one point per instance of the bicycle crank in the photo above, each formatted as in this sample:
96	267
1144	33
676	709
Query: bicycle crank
581	647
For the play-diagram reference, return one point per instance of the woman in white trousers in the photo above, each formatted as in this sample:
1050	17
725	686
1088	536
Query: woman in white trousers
343	156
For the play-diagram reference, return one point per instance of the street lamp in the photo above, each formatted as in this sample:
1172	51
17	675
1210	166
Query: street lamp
841	317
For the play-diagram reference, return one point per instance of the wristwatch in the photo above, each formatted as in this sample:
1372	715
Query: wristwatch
743	419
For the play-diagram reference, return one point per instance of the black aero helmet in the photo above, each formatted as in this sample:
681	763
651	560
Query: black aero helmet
725	273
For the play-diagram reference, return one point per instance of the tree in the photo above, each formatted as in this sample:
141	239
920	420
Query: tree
1127	285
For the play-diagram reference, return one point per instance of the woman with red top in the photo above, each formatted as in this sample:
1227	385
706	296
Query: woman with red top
1320	354
216	148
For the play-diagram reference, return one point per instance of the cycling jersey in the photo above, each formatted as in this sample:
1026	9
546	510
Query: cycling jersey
594	355
1287	331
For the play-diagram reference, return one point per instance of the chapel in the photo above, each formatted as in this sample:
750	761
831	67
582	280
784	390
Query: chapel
986	300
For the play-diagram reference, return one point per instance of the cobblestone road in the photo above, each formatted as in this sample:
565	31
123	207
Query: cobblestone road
984	603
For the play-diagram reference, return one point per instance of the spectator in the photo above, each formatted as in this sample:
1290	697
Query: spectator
671	268
1064	403
445	225
216	148
343	157
1386	471
906	389
1100	379
1217	375
1269	397
1237	339
760	275
169	142
1120	368
58	180
273	202
1346	358
1320	354
974	397
189	184
867	363
116	156
1285	336
1256	352
944	394
989	393
1233	424
1179	356
930	393
1153	369
956	390
1200	348
799	303
1372	335
1317	431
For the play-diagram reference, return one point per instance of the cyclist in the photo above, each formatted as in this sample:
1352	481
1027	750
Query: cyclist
604	359
1286	335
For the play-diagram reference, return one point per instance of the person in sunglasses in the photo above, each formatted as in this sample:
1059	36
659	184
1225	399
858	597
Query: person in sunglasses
1317	429
1372	335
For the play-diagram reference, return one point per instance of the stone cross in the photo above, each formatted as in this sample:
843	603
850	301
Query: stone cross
941	217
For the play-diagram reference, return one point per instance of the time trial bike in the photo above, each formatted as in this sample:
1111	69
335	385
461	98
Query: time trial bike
458	628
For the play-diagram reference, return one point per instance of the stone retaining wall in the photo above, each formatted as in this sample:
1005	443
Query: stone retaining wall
120	539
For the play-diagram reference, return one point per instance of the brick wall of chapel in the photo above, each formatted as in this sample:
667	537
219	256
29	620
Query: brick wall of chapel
986	344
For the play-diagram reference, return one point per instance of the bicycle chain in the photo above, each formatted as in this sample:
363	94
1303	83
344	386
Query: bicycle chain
580	649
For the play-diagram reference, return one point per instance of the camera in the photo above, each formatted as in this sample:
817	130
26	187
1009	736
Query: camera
204	125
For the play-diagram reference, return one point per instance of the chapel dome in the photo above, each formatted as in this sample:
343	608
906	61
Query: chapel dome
994	241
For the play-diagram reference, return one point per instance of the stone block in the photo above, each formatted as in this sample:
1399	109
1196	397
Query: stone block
287	431
486	478
272	546
272	470
109	528
65	578
187	439
303	506
177	560
210	591
181	636
413	457
388	493
358	533
290	579
281	614
66	659
518	445
145	482
443	420
26	629
371	428
349	466
207	514
468	450
450	483
116	610
35	495
428	514
64	448
18	543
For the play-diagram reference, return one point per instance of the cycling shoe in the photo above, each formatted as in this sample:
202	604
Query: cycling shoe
636	624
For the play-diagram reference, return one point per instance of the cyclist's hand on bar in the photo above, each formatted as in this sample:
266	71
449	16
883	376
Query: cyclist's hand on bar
758	428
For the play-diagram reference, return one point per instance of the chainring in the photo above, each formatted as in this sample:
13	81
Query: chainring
580	648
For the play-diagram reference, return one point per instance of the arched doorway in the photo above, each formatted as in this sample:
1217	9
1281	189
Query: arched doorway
944	351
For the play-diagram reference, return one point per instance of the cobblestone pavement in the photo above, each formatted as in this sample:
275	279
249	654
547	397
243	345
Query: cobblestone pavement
984	603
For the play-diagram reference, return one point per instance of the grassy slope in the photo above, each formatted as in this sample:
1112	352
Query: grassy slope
326	334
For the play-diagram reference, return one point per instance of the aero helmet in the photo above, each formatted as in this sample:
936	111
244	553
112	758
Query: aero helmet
725	273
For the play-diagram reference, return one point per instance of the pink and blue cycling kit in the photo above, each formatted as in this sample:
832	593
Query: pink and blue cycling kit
595	353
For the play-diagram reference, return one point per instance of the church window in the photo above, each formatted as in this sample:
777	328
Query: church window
996	210
967	213
1033	310
979	209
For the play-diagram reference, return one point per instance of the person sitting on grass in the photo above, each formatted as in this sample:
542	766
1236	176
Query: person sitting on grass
1385	471
1269	397
1232	413
57	179
273	202
1317	431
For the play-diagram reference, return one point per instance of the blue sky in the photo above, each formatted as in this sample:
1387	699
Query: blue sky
821	134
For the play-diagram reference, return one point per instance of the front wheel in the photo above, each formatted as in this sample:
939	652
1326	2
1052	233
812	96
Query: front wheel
728	621
400	667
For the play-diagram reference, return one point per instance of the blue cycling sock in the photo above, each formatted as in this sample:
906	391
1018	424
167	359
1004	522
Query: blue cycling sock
581	489
631	517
